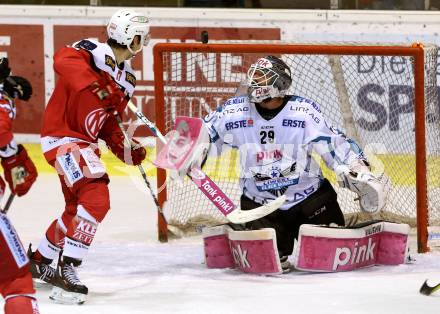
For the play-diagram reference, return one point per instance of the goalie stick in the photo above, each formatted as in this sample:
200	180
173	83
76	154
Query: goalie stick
428	290
223	203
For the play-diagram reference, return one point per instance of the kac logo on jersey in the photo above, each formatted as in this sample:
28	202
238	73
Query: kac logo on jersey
239	124
94	121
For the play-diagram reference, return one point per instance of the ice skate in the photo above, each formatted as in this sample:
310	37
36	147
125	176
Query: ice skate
42	271
68	289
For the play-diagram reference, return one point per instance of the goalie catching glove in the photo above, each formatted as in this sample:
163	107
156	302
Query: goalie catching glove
20	171
372	191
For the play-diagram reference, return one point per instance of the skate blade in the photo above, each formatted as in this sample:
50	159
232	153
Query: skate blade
38	283
61	296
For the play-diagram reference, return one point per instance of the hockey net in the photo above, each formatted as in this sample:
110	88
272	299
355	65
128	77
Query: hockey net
384	97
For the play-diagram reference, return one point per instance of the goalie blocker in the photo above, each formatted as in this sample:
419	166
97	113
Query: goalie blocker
183	152
319	248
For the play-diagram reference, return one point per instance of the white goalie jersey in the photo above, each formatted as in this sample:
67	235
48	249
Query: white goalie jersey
277	155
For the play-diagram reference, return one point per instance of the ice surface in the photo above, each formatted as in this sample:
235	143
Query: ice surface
128	271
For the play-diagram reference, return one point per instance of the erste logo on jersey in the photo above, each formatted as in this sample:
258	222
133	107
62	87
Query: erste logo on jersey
239	124
294	123
94	122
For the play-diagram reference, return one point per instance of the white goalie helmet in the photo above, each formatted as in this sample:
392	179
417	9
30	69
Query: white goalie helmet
125	24
269	77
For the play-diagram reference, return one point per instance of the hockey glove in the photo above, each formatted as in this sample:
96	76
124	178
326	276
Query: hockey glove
108	92
138	153
20	171
4	69
18	87
131	156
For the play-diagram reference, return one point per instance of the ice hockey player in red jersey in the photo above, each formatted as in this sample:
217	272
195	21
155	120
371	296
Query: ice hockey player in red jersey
94	81
19	170
15	279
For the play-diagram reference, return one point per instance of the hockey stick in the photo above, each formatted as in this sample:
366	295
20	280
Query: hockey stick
223	203
8	203
428	290
141	169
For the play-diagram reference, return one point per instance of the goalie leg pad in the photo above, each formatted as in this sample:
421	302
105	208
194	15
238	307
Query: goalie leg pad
393	248
255	251
216	246
342	249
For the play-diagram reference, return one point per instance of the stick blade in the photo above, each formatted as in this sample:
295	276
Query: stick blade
239	216
428	290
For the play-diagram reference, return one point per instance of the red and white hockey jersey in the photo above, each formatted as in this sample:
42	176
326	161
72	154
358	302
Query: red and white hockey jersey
8	146
65	119
14	261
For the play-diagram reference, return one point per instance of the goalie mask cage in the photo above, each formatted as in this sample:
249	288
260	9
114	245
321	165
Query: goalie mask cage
385	97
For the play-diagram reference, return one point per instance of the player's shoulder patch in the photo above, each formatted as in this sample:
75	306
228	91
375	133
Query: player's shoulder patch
109	61
130	78
86	44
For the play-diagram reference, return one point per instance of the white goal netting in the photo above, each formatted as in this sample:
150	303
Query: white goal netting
370	97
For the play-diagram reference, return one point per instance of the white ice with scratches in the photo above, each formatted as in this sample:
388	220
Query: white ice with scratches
128	271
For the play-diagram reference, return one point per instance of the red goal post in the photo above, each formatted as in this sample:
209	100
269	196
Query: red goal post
193	79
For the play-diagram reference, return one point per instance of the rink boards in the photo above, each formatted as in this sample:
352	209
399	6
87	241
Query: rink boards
226	170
